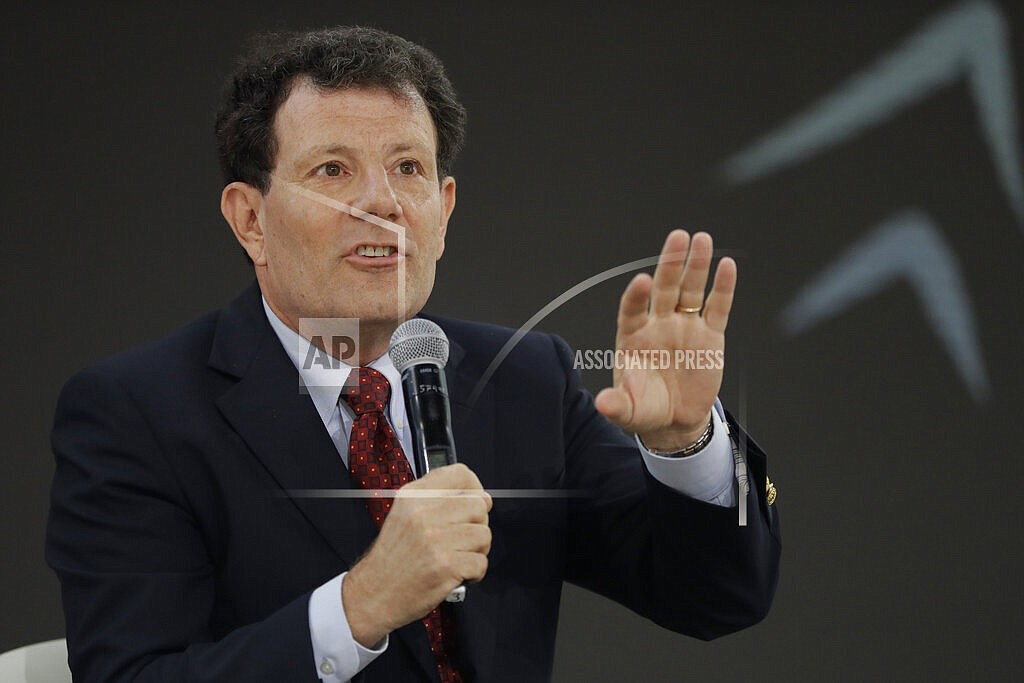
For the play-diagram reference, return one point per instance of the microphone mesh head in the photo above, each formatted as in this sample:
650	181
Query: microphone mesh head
418	341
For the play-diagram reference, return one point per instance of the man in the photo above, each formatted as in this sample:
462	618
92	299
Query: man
185	549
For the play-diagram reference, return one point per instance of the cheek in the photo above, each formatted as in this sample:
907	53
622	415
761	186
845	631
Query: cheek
432	243
304	231
422	196
423	209
440	244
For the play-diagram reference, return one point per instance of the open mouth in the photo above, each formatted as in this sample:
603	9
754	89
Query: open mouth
374	252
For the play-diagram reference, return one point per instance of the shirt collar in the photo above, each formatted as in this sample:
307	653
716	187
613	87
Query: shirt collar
324	384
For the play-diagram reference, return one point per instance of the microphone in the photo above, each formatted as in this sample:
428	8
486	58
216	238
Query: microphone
419	351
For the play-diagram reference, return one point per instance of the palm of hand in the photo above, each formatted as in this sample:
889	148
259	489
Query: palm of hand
666	395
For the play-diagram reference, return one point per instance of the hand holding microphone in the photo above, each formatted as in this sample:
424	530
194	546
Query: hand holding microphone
436	535
419	351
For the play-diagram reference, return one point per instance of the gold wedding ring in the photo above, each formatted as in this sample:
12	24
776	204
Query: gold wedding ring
688	309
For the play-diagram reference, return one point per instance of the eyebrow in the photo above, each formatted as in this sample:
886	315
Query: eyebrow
345	149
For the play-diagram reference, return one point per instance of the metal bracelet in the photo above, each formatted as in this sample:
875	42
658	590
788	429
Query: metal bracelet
697	445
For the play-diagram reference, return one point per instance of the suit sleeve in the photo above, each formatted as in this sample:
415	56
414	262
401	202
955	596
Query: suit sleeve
683	563
137	579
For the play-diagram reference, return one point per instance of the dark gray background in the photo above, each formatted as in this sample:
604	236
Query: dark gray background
593	131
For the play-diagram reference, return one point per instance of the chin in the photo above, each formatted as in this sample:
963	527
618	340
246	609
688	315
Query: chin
378	313
377	305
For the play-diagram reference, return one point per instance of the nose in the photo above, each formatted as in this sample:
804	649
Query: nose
376	196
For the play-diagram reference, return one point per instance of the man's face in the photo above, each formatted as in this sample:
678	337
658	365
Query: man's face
374	152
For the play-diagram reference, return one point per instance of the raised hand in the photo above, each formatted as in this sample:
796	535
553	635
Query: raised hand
669	407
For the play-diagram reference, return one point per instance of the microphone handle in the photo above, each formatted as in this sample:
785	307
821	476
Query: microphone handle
430	419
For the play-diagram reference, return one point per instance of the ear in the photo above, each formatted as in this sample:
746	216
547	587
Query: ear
447	206
240	204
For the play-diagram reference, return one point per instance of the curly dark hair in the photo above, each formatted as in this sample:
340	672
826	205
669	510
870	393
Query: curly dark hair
332	58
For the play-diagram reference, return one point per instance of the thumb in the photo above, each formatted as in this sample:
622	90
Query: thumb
616	405
454	476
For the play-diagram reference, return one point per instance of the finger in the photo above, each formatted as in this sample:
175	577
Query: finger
695	278
473	538
616	405
446	505
634	304
716	310
471	566
669	273
456	476
476	506
460	508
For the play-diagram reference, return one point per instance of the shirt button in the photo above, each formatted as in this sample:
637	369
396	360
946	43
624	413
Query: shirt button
326	668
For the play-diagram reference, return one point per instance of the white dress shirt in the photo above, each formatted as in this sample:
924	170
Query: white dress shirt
706	475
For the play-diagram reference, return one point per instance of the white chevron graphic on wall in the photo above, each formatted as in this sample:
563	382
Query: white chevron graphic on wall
906	246
971	41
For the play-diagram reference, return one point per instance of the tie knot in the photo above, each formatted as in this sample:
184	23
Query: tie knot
366	391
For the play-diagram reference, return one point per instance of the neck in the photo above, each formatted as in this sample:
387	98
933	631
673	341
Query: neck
372	343
374	340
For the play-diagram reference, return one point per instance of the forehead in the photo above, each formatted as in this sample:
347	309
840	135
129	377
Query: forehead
363	118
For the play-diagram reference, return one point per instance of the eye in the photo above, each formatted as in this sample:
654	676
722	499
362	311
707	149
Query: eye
408	167
331	168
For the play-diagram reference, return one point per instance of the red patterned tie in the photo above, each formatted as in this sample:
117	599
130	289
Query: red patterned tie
376	461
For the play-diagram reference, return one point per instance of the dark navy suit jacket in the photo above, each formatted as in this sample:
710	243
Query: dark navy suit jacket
181	559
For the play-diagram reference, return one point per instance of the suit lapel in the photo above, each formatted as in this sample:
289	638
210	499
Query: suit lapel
282	428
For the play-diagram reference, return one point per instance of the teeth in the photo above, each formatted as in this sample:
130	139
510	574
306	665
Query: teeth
366	250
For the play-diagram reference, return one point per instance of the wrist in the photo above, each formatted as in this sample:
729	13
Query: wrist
680	444
364	617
